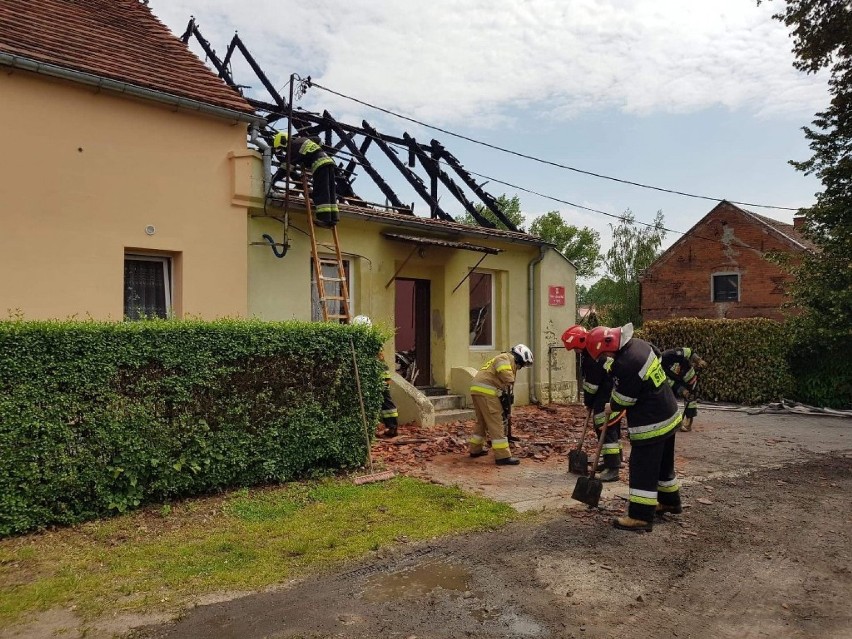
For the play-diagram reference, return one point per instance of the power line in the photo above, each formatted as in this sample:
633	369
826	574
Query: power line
548	162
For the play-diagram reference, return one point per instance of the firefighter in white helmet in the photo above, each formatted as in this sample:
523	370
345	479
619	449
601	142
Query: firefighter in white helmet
390	414
495	378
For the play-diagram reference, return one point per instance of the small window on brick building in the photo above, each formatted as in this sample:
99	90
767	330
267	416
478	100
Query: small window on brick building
726	287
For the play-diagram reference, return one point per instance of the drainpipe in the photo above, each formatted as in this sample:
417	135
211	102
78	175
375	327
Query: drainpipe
531	294
266	151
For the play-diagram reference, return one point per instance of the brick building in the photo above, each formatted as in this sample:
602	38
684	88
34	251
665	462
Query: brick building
718	268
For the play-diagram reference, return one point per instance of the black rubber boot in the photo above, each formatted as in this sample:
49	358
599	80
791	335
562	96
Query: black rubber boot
609	474
507	461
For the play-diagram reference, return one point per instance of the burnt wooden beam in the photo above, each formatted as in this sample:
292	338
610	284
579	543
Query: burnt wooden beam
365	163
432	170
466	177
353	162
413	179
259	73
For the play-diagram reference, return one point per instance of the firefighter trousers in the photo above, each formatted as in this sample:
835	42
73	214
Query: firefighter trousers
489	420
652	478
390	415
325	194
611	450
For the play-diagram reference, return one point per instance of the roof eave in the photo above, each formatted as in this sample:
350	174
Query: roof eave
117	86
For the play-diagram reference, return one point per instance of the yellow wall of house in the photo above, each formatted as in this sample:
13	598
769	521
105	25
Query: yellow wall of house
280	289
83	173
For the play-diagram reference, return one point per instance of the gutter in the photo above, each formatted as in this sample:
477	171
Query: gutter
531	318
90	79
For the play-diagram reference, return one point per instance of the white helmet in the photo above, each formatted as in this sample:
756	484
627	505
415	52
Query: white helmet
362	320
522	354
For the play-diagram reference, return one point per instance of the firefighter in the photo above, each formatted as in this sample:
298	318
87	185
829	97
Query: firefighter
596	391
680	365
639	386
390	414
310	155
494	379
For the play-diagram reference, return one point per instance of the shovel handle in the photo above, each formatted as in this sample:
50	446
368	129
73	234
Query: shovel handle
599	449
585	430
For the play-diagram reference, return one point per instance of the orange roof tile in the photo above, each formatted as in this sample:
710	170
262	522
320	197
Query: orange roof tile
116	39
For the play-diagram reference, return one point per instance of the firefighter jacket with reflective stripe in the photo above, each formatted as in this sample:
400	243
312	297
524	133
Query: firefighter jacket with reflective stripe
640	387
308	153
677	363
496	376
596	383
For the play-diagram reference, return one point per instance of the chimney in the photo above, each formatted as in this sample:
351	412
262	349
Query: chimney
798	221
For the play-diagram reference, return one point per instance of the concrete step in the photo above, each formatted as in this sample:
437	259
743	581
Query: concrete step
446	402
454	415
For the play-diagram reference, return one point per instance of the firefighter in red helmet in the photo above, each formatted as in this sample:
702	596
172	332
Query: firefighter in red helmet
596	392
653	418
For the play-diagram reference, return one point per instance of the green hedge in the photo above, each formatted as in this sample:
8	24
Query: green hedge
747	358
100	417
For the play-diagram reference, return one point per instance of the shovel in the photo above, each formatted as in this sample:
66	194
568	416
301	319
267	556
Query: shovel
578	460
588	489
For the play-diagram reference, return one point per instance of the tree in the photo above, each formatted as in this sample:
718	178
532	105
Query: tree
822	289
634	248
580	245
510	207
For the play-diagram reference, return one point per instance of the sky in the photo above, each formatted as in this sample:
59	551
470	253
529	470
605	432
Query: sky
699	97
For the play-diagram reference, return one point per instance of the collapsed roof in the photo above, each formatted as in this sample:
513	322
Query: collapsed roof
349	144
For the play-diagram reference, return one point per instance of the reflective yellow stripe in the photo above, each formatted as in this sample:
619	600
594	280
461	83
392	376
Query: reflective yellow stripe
326	208
649	431
504	367
611	449
308	146
321	162
497	444
623	400
590	388
689	375
390	413
668	489
687	353
484	390
645	501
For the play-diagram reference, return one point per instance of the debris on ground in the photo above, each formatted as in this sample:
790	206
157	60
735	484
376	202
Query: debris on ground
544	431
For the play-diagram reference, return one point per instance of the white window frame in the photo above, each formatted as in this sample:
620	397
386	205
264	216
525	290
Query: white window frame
168	270
713	277
492	314
348	265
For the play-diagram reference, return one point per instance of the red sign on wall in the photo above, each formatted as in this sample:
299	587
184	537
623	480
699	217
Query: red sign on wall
556	296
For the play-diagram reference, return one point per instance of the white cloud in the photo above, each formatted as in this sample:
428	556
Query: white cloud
449	62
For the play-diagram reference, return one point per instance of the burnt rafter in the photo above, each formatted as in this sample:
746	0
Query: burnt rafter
430	157
362	159
466	177
413	179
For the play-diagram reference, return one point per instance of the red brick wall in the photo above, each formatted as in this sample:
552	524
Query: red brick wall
680	283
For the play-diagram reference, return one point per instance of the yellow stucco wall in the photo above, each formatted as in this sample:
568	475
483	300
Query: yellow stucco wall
84	172
280	289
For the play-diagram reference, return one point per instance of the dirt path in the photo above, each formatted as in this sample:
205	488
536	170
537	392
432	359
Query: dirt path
763	550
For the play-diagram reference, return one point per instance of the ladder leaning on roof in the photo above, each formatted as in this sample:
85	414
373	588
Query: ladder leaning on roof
337	261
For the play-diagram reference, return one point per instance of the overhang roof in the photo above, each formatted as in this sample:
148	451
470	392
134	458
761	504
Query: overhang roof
433	241
119	40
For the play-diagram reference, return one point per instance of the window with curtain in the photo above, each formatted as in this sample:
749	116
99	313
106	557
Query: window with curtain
333	289
726	287
481	309
147	286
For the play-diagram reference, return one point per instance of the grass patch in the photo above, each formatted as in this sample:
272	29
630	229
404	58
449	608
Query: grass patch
159	558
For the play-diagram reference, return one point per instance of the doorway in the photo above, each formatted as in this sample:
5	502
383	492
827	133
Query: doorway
413	331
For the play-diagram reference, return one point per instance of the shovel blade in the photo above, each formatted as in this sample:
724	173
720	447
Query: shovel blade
588	491
578	462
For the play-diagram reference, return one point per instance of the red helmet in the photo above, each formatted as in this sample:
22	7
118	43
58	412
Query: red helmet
603	339
574	337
